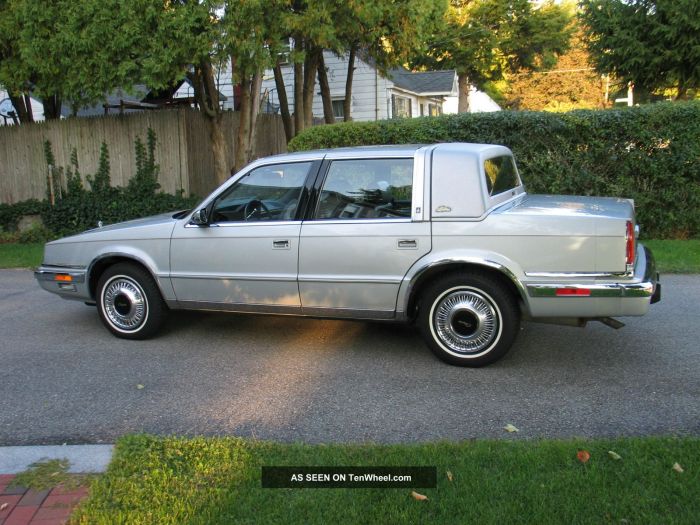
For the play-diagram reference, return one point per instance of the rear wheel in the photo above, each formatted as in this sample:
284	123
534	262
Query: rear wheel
468	319
129	302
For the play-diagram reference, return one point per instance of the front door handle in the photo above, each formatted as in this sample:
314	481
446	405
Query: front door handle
281	244
408	244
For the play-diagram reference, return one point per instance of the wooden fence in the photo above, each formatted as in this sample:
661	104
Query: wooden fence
183	149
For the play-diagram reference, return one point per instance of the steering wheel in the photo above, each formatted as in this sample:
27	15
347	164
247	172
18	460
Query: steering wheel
255	206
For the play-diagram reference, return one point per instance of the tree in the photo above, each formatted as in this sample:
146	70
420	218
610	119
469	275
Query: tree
484	39
571	83
655	44
388	32
22	24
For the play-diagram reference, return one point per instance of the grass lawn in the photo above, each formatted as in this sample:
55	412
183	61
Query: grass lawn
21	255
676	256
210	481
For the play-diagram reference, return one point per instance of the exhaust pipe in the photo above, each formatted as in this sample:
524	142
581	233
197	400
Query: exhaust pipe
609	321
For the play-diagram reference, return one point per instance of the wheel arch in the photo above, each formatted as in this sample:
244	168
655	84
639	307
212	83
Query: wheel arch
438	269
101	263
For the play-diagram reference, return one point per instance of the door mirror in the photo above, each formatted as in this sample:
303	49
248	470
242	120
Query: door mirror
200	218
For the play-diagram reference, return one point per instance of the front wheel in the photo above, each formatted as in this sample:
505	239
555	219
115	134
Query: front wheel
129	302
468	319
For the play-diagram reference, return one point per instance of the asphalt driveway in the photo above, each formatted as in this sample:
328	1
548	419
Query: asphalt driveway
65	379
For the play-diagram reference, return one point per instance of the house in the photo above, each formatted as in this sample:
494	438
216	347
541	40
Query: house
120	101
8	113
378	96
375	96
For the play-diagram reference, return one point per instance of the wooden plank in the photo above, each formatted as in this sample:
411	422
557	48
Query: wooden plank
183	149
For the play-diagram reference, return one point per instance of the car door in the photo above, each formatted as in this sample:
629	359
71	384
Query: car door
360	240
246	257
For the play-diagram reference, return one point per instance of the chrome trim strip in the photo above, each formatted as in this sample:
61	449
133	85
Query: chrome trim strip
350	280
358	221
271	309
417	208
44	274
645	284
579	275
247	224
243	308
642	289
466	260
126	256
62	266
231	277
347	313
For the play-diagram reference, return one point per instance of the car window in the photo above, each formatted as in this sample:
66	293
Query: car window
366	189
268	193
500	174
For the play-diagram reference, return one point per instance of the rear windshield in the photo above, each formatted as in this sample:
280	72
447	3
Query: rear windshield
500	174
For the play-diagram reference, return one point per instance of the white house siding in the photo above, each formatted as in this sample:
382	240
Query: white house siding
370	91
37	109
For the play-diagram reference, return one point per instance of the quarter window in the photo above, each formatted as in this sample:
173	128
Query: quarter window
366	189
501	175
267	193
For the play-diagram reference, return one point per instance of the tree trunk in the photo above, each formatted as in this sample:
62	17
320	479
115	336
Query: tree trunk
347	103
207	97
463	84
298	91
284	103
23	107
328	116
52	107
218	149
310	68
255	87
243	133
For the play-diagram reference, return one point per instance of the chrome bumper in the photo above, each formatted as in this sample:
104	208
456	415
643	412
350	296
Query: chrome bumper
68	282
601	296
644	283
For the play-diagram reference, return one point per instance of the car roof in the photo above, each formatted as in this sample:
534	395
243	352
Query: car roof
389	150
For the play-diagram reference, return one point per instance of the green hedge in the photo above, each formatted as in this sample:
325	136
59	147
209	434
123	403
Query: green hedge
650	153
77	208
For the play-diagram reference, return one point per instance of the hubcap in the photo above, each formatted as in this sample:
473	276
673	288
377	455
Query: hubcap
124	303
466	321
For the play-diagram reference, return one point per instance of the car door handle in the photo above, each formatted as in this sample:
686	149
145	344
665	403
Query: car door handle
280	245
408	244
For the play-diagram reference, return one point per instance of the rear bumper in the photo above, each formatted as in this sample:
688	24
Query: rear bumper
598	297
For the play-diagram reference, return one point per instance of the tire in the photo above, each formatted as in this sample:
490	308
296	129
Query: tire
129	302
468	319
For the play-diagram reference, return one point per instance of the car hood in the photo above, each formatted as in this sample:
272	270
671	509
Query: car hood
156	226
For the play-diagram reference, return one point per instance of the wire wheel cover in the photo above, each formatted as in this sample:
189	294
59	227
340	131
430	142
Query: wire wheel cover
124	303
466	321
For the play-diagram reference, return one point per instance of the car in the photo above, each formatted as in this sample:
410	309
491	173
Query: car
444	236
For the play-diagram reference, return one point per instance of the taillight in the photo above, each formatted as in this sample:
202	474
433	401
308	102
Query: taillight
630	243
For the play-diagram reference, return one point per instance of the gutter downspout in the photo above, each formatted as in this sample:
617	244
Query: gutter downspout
376	94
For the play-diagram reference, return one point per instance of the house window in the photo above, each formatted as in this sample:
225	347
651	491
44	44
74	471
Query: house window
434	110
338	109
400	106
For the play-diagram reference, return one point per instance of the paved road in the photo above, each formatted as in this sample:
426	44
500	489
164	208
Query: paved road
63	378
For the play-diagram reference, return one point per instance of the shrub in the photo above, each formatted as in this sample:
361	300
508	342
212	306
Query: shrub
650	153
77	208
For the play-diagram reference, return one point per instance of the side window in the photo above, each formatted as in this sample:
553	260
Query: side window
267	193
366	189
500	175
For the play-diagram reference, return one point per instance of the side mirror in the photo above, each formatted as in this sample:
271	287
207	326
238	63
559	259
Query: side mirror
200	218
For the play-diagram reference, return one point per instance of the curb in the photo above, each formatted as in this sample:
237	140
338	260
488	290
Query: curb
82	458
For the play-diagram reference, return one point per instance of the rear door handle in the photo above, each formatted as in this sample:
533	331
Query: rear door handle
407	244
281	244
